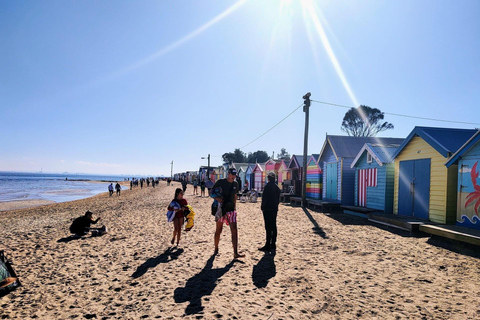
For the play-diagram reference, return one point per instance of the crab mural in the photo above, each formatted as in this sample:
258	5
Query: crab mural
473	198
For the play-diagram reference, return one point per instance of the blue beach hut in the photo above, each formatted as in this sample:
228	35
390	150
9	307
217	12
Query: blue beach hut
375	176
466	162
249	175
337	155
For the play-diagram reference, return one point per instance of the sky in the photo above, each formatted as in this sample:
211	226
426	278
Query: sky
127	87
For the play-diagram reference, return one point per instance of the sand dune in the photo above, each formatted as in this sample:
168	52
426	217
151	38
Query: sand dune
327	266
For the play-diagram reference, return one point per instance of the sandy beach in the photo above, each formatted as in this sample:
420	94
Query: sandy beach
327	266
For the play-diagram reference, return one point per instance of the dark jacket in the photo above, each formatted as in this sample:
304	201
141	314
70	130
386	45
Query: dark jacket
81	225
270	197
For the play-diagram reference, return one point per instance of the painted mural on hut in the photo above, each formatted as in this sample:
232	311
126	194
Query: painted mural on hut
469	195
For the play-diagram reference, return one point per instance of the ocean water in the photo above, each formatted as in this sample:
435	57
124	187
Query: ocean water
54	187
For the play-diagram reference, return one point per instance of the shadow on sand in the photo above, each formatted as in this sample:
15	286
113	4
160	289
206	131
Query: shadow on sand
169	255
462	248
264	270
200	285
70	238
316	227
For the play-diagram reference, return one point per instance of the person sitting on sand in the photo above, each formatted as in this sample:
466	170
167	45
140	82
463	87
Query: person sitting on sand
81	225
179	214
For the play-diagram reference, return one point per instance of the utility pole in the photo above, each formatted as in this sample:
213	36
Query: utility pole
208	167
306	108
171	170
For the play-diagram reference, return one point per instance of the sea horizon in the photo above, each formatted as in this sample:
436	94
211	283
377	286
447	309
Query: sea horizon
57	187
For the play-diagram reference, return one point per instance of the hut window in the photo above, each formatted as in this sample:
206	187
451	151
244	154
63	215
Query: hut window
369	158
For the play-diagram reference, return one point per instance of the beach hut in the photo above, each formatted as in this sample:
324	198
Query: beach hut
249	176
202	172
375	176
314	178
221	172
295	168
241	172
282	169
270	167
467	163
337	154
426	187
259	176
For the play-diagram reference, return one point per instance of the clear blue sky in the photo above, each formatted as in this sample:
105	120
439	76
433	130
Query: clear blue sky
125	87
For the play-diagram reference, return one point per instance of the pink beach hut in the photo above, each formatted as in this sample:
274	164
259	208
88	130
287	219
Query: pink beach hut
270	167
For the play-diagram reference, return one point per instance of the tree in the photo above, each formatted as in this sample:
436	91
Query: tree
257	156
236	156
364	122
283	155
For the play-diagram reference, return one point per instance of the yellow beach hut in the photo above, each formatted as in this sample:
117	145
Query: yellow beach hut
424	187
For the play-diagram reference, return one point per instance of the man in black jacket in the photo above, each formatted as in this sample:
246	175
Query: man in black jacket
81	225
270	200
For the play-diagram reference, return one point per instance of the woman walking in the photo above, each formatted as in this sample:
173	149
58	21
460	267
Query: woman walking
178	205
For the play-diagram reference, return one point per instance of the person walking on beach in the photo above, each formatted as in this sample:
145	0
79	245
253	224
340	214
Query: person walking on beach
179	214
110	189
184	185
228	202
209	185
195	187
270	200
202	188
118	188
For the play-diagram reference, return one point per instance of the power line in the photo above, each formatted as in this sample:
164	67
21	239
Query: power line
400	115
273	126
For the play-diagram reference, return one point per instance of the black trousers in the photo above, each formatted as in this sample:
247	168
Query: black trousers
270	218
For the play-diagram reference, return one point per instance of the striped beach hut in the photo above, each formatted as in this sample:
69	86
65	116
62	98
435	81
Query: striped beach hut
337	155
375	176
314	178
259	176
467	162
426	187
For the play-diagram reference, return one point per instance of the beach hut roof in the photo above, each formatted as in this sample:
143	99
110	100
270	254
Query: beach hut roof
237	165
260	166
348	147
445	140
296	161
463	149
270	161
381	153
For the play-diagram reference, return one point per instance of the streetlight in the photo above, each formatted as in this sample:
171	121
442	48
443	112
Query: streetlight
208	168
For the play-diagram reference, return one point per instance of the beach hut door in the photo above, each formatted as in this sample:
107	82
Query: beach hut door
414	188
331	187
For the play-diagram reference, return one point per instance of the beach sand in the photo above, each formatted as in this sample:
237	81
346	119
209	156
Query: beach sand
327	266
